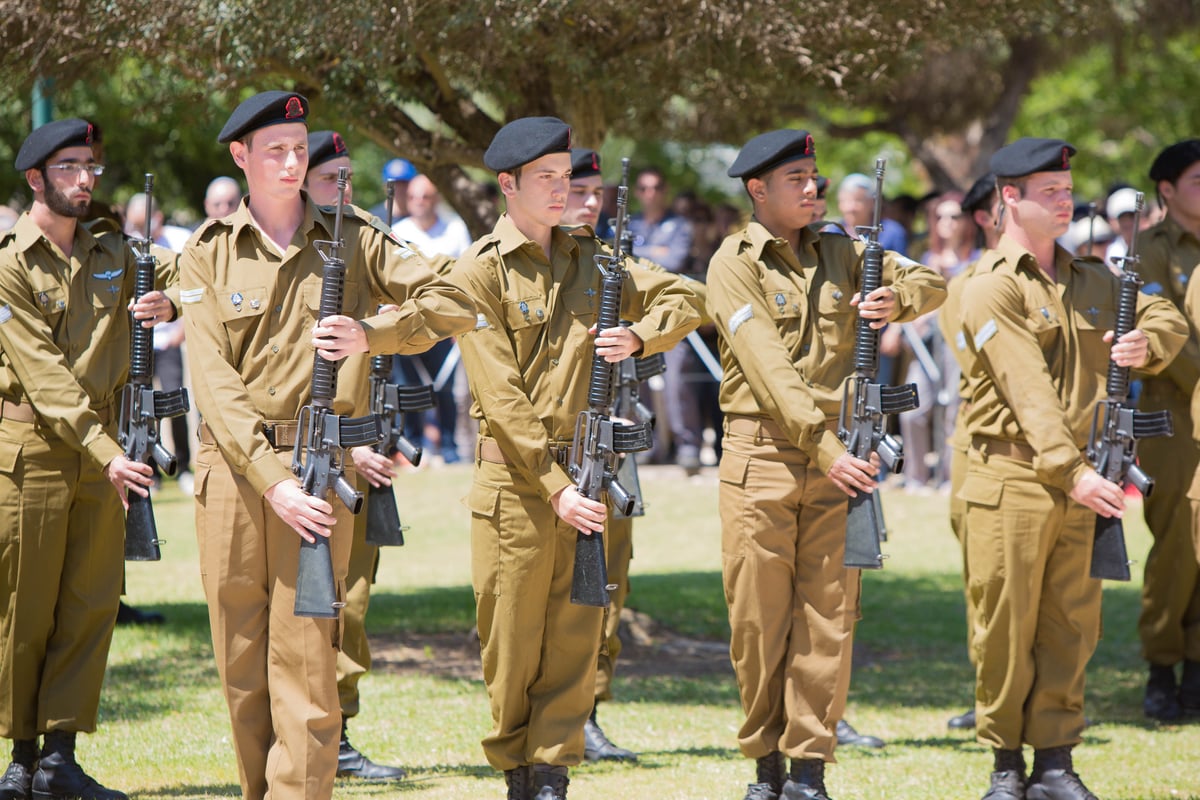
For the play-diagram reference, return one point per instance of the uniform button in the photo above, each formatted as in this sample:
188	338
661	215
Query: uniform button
271	390
805	348
279	309
274	348
554	361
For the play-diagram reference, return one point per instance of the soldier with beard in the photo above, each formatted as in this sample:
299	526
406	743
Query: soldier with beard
64	357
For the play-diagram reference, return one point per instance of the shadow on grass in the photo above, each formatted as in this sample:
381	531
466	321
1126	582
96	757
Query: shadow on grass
909	646
192	790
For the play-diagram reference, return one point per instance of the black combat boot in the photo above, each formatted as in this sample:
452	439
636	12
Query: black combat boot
550	782
769	775
1162	700
806	781
1189	688
519	782
597	747
353	764
1008	776
58	775
18	778
962	722
848	737
1054	778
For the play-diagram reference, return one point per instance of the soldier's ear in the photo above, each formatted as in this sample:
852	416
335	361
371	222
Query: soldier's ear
757	189
237	149
36	179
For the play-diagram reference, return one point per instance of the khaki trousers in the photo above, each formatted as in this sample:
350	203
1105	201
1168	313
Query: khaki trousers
278	670
539	650
792	602
62	562
354	659
619	546
1037	609
1169	625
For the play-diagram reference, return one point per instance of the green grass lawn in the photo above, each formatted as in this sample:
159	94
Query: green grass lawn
164	731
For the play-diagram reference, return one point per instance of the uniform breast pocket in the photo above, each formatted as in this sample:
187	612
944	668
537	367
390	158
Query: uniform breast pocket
52	302
1045	324
525	314
239	308
1095	319
835	316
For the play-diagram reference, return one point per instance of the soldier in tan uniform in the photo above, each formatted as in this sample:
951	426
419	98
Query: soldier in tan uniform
584	201
64	357
785	299
1039	325
980	202
528	363
251	287
1169	626
327	153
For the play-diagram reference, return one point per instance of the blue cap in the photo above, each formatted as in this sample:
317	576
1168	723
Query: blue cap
398	170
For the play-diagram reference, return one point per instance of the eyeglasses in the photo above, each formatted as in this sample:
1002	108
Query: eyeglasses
72	170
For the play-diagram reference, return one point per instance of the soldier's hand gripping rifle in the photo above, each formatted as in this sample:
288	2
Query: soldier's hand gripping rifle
323	437
599	439
1117	426
866	403
142	407
630	374
390	402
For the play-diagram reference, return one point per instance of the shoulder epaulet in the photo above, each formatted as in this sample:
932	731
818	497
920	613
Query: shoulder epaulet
208	227
103	226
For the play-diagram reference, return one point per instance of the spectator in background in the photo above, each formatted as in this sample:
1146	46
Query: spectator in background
664	237
397	172
821	206
221	197
8	218
435	234
856	204
1119	208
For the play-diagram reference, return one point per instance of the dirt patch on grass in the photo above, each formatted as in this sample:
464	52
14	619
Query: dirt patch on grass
648	649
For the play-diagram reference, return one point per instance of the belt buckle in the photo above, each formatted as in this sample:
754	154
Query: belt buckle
269	433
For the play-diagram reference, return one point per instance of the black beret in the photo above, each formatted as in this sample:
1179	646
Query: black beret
1029	155
1172	161
261	110
584	162
527	139
981	191
52	137
769	150
822	186
325	146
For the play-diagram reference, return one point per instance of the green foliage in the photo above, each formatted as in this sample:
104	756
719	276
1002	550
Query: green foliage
1119	103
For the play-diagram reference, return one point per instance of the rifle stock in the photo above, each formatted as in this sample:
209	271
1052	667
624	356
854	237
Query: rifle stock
323	437
599	439
1117	427
142	407
866	403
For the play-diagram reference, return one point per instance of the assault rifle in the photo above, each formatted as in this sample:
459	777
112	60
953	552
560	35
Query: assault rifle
142	407
390	402
323	437
630	374
1117	426
861	418
599	439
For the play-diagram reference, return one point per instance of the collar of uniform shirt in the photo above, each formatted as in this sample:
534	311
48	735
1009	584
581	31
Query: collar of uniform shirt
760	238
511	239
26	234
